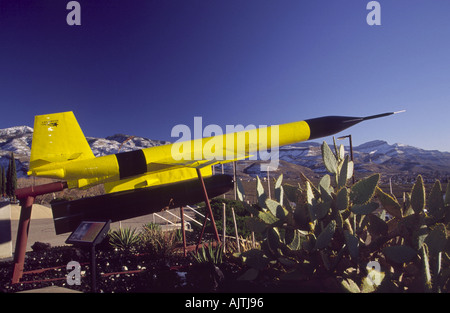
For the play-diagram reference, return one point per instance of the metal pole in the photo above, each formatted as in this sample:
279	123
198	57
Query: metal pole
22	238
351	153
93	270
235	184
224	195
236	230
26	197
224	230
253	236
201	234
209	211
183	230
351	157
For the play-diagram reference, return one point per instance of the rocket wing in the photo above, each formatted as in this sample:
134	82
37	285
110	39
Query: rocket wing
166	172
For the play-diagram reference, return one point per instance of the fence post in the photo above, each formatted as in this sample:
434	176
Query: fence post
183	230
253	235
224	227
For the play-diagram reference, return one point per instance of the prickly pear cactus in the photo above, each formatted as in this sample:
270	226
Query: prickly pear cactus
335	230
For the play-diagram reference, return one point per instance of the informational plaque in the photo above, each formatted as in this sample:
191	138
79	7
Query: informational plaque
89	233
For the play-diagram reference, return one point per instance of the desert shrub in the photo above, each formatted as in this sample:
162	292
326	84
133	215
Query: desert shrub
158	243
151	226
245	244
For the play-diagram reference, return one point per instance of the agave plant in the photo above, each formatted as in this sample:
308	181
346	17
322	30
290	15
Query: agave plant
124	238
213	254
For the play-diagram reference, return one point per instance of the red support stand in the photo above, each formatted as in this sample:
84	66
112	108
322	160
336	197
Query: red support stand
209	211
26	197
22	237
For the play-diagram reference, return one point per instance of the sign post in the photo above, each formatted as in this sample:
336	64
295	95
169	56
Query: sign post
90	234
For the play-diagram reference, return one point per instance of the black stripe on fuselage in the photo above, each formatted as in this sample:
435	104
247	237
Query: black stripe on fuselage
131	163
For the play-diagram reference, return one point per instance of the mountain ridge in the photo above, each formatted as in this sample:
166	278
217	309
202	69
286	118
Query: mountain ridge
395	161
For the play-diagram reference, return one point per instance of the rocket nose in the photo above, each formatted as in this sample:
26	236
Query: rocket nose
330	125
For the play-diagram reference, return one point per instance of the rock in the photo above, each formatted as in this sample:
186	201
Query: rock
40	246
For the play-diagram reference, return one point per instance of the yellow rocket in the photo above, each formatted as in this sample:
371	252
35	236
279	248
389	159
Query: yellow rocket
60	150
145	181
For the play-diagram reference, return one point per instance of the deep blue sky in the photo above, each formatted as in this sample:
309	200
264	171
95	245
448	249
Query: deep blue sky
142	67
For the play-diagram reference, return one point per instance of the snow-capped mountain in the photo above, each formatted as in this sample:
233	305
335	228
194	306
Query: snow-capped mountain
396	161
120	143
17	140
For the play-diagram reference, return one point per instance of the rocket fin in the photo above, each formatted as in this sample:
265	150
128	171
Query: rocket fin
58	138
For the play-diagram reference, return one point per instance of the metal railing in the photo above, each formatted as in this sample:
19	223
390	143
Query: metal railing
237	238
177	217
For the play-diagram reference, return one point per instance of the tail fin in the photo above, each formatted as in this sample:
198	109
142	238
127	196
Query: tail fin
57	138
